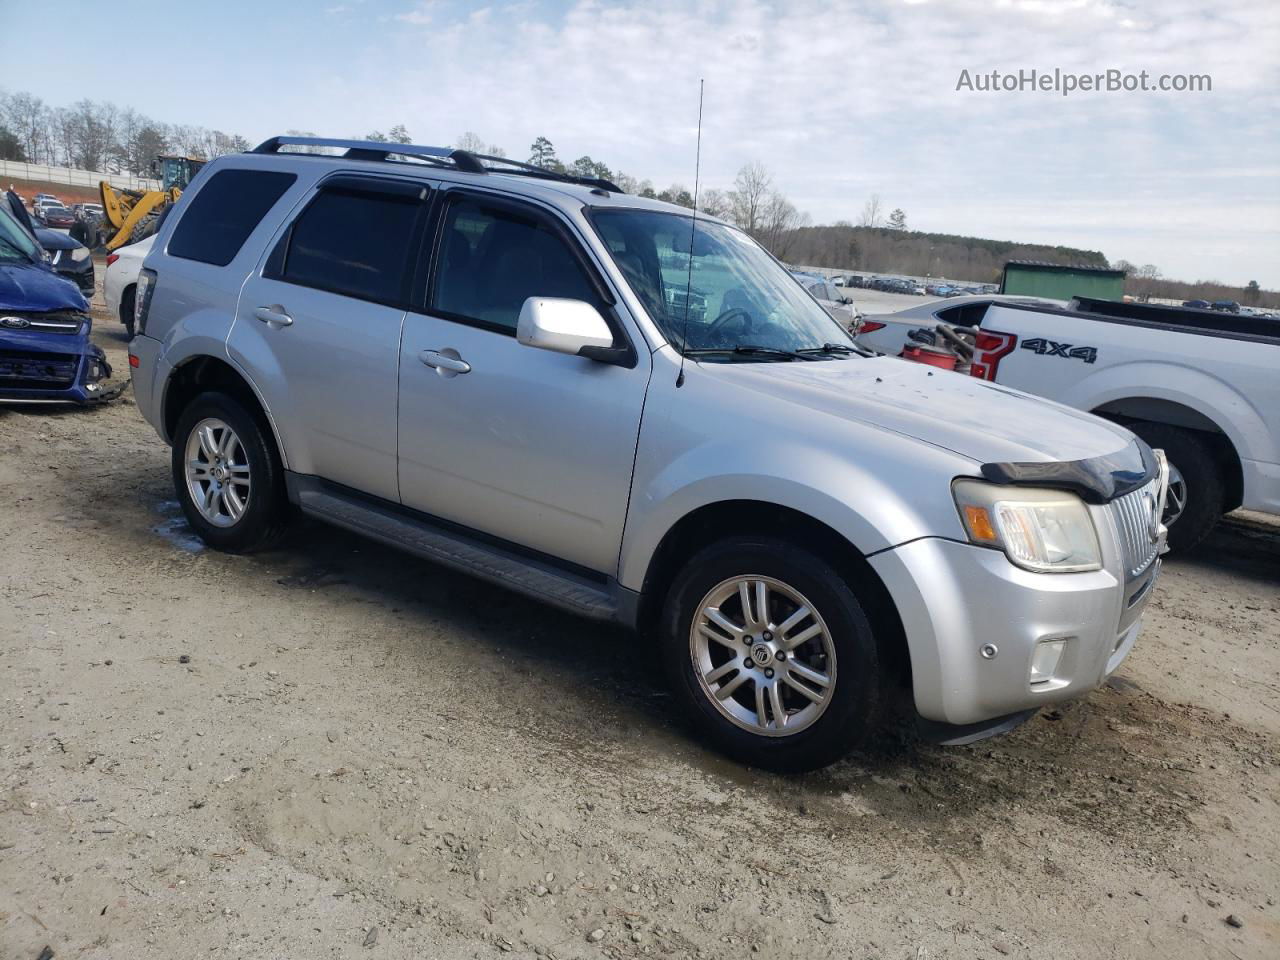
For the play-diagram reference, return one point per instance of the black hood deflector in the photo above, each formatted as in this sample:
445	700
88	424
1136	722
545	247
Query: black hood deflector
1096	480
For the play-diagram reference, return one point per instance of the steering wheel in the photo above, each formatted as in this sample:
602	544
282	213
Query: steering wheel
720	322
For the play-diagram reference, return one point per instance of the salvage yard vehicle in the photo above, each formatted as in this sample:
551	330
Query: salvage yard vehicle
835	303
132	215
70	258
1199	384
477	361
120	280
45	353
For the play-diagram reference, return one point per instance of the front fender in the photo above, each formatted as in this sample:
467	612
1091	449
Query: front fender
1188	386
873	510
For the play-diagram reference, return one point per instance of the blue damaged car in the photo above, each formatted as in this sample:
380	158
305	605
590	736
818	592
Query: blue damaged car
45	353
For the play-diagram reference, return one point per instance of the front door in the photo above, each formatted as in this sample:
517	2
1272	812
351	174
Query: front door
527	445
319	325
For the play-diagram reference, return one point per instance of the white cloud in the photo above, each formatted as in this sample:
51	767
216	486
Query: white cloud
845	98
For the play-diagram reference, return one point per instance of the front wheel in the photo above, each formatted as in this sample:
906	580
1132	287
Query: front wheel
771	654
1197	493
227	475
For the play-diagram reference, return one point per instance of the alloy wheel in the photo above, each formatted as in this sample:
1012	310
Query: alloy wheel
763	655
1175	500
217	469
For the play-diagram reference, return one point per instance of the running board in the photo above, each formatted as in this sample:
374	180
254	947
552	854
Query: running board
418	535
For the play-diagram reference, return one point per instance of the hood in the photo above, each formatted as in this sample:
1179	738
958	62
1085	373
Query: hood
35	288
982	421
55	239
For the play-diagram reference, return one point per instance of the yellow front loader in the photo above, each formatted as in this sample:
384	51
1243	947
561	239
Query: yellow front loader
130	215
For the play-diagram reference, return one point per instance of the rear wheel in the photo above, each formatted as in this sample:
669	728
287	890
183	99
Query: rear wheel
771	654
1197	493
126	309
227	475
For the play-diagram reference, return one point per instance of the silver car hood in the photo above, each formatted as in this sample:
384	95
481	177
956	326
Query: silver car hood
982	421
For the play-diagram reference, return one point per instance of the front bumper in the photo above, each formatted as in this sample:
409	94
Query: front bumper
50	368
973	621
81	274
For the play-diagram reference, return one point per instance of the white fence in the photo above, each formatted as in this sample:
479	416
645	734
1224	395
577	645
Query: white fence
16	170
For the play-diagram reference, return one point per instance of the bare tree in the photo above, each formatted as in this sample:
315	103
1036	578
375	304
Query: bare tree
872	213
781	219
470	142
26	116
749	196
714	203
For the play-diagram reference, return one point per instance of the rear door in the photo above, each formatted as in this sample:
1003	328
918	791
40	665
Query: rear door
319	325
527	445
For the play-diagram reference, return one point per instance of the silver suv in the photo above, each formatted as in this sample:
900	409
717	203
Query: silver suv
596	400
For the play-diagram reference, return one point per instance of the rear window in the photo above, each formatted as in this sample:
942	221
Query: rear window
224	213
355	244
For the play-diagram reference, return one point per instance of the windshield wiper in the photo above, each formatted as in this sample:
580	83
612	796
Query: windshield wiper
750	350
841	348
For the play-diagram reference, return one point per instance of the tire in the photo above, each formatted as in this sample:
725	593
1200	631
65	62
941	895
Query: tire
126	309
259	489
144	228
825	732
1205	491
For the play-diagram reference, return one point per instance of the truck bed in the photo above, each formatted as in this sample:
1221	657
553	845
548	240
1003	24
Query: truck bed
1212	323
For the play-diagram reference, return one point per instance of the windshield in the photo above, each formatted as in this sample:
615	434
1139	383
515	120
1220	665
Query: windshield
733	294
16	244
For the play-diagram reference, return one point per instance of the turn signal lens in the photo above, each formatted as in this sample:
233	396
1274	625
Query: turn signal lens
979	523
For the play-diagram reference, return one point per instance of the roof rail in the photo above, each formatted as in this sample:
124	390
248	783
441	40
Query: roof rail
373	150
530	170
446	157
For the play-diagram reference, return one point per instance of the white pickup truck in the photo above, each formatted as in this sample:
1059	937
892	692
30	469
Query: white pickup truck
1204	386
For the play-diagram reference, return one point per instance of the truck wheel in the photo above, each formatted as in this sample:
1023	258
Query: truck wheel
771	654
227	474
1196	489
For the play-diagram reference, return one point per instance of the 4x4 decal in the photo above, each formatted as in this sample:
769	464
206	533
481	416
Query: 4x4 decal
1054	349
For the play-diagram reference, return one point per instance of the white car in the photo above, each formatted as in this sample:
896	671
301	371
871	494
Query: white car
120	280
836	304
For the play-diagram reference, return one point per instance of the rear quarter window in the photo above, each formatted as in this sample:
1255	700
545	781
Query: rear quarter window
224	213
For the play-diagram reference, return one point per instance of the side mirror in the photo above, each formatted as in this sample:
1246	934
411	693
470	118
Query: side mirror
564	326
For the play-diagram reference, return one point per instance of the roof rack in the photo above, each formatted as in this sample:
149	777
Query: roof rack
445	157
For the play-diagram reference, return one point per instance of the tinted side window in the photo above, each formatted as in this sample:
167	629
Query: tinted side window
965	315
224	213
354	244
493	259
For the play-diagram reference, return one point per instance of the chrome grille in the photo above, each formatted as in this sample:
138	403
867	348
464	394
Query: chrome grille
1134	514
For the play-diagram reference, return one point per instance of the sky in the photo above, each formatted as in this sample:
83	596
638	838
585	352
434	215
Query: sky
840	99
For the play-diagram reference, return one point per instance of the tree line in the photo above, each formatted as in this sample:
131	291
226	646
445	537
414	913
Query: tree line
99	135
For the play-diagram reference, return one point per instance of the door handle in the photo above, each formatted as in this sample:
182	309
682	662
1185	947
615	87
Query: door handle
273	314
443	362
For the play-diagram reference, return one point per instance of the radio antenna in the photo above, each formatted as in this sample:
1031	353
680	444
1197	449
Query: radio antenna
693	232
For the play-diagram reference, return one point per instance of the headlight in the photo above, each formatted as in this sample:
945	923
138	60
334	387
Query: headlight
80	254
1048	531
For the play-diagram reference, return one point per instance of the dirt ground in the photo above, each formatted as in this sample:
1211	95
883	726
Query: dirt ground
335	750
